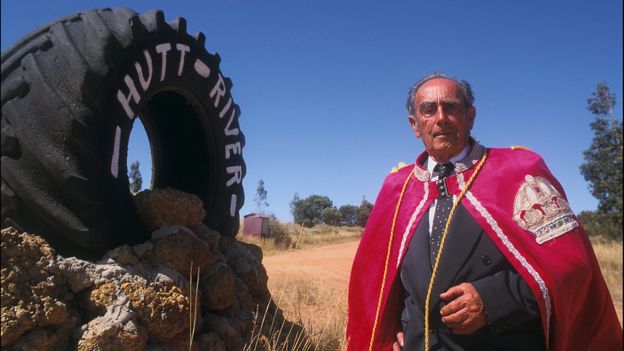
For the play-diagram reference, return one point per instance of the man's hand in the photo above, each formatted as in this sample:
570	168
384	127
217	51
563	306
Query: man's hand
464	312
398	345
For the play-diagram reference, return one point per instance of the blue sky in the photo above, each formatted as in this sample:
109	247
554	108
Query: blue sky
322	84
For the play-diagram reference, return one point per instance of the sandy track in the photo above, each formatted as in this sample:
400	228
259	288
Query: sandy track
330	264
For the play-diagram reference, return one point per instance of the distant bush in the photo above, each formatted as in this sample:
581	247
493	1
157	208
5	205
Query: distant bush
286	236
601	224
317	209
322	229
309	211
364	212
281	234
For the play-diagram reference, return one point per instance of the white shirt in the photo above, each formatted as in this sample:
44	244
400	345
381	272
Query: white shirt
430	166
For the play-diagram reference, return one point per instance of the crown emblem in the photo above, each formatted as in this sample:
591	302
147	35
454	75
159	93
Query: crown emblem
540	209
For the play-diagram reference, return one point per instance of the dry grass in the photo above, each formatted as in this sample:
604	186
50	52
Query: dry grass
268	336
323	233
301	237
268	245
308	304
320	310
609	253
193	305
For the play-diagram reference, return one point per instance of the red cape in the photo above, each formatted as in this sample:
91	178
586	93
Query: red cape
577	312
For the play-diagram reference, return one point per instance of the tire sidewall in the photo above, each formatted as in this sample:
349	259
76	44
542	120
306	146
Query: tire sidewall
178	64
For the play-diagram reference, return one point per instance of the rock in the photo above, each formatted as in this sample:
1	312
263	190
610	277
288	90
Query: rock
247	262
45	340
167	312
116	330
256	278
168	230
161	307
245	299
167	275
139	297
99	298
218	287
188	249
31	296
180	343
162	207
123	255
78	274
211	341
142	249
211	237
221	326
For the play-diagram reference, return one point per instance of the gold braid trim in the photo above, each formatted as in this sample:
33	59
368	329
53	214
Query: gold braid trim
383	280
446	227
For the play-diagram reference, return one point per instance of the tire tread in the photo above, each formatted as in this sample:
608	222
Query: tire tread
57	75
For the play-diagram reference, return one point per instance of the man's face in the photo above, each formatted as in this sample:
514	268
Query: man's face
442	120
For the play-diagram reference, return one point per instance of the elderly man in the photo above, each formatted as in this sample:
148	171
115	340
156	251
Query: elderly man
473	248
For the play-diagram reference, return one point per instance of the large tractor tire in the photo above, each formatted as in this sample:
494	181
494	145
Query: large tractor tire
71	91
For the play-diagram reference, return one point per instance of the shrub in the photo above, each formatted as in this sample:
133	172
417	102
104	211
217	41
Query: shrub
601	224
280	233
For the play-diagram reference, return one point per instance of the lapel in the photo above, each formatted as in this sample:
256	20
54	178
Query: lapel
416	270
461	240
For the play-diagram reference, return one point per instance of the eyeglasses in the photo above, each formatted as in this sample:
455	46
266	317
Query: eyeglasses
430	108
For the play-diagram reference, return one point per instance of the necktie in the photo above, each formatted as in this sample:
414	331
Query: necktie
442	209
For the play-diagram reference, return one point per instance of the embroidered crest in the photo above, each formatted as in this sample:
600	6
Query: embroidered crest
540	209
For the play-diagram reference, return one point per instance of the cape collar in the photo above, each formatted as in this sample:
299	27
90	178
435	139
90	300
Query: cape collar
463	165
431	163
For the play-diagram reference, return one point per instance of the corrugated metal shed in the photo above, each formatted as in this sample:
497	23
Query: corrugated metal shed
256	224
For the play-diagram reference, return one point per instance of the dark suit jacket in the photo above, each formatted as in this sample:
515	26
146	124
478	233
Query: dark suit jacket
468	256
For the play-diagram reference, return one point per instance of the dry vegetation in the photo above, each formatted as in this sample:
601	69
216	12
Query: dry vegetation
321	310
267	335
290	236
609	253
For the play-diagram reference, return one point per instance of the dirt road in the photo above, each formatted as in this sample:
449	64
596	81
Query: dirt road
310	287
330	264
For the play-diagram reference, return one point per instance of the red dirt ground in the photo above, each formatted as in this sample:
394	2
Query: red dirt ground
330	264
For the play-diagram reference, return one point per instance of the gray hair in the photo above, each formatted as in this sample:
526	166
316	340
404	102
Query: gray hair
463	85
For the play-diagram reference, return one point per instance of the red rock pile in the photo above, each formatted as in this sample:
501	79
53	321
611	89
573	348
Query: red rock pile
135	297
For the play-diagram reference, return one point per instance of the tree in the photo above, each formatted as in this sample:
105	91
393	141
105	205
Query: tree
261	196
136	181
603	161
598	223
331	216
364	212
601	102
295	209
349	215
309	211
